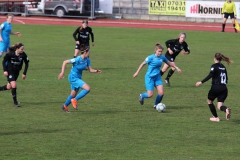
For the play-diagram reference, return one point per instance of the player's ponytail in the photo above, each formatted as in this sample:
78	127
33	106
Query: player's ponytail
221	57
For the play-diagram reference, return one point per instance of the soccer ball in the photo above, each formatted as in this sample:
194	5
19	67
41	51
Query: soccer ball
161	107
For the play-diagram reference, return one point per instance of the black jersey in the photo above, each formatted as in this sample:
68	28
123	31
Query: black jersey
218	73
176	47
14	63
83	35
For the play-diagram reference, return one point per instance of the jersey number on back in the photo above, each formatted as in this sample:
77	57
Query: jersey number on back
223	78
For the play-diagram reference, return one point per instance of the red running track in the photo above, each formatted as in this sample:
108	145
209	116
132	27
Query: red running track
214	27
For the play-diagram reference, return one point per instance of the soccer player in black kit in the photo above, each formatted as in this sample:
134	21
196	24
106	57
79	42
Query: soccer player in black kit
12	64
81	36
218	73
174	47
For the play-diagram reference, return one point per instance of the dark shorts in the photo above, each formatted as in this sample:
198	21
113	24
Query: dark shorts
218	91
78	46
226	15
12	76
170	58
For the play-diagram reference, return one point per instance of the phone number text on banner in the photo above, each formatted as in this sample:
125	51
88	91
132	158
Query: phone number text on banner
167	7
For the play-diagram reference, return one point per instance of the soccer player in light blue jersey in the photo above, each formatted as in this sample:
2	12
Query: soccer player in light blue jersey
152	76
5	31
75	77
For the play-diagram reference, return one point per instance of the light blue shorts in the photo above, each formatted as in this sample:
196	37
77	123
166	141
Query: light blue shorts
76	83
151	82
4	46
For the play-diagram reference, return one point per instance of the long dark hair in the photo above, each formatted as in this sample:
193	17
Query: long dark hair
15	46
221	57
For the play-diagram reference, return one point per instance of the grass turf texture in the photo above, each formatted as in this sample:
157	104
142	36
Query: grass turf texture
110	122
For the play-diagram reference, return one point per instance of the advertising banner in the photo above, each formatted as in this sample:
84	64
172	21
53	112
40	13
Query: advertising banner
207	9
167	7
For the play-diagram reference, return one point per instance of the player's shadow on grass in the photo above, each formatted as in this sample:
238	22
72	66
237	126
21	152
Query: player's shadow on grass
235	121
40	103
104	112
178	107
30	131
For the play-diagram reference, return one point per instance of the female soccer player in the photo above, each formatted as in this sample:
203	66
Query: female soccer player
14	60
79	64
81	36
174	47
218	73
5	31
229	10
153	77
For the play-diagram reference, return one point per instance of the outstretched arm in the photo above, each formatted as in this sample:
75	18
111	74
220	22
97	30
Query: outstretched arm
16	33
205	79
139	68
61	75
94	70
172	64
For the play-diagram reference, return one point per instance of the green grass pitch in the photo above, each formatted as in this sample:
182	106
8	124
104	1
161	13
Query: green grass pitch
110	123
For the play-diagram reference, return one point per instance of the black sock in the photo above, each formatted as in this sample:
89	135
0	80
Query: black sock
223	108
14	95
161	72
170	73
223	26
213	110
3	88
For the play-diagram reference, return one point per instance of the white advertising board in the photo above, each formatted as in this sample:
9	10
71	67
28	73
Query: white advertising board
207	9
204	9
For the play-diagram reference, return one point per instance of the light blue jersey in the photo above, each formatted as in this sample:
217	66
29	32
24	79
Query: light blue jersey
6	29
154	64
79	65
153	77
75	74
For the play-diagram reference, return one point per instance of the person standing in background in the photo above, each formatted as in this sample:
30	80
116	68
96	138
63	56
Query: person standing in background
81	36
229	10
5	31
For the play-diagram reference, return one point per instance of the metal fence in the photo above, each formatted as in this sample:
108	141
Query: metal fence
130	6
59	8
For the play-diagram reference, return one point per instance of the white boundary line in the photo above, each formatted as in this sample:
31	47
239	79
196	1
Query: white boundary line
183	24
18	20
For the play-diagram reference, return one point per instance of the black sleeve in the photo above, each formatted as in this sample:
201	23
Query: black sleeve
26	61
210	75
92	36
75	34
169	42
186	49
5	59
